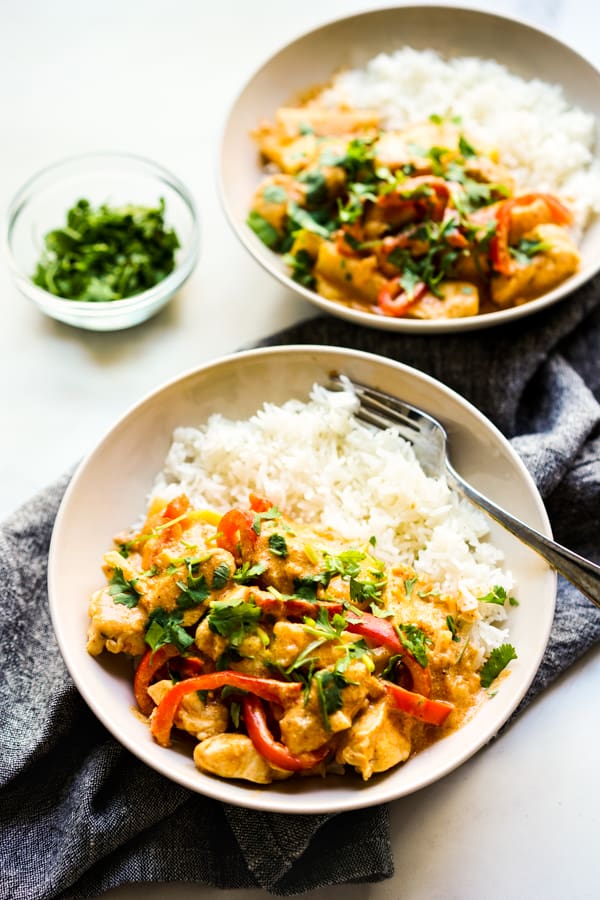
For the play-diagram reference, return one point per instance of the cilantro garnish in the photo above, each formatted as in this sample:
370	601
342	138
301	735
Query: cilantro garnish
316	187
272	513
329	686
301	264
123	591
165	628
416	641
498	596
526	249
221	576
466	149
107	253
247	572
263	229
274	193
234	619
452	628
498	660
409	584
278	545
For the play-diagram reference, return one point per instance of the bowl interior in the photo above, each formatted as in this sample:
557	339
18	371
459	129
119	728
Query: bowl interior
126	463
312	59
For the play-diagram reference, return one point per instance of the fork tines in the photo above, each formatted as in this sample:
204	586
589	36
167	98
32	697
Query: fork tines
380	409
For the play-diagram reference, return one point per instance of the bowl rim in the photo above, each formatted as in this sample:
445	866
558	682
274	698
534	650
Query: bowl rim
228	791
101	308
271	262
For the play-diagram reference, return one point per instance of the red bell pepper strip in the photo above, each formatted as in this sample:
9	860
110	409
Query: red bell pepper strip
280	692
259	504
394	302
147	668
502	261
235	532
276	753
382	632
434	712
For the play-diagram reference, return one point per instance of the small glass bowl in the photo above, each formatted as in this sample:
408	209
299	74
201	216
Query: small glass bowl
115	179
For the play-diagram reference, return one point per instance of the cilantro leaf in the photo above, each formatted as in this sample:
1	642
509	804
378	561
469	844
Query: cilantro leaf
221	576
274	193
497	661
329	686
452	628
165	628
248	573
301	264
409	584
316	187
416	641
278	545
234	619
272	513
123	591
497	595
466	149
263	229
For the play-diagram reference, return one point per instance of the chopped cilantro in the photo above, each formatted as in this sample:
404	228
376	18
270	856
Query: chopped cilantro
452	628
234	619
301	264
107	253
466	149
316	187
497	595
123	591
274	193
221	576
498	660
165	628
248	572
526	249
416	641
278	545
263	229
409	584
272	513
329	686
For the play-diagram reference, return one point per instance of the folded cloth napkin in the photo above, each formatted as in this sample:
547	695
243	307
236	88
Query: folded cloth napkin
79	814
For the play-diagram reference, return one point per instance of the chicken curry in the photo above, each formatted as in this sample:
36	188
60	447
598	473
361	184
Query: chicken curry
417	223
280	649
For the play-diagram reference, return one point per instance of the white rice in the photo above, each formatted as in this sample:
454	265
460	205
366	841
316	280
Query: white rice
547	144
322	467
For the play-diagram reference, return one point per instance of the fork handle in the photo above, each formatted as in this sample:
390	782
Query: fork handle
581	572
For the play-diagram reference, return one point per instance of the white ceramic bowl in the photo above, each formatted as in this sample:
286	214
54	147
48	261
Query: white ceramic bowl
41	204
349	42
124	466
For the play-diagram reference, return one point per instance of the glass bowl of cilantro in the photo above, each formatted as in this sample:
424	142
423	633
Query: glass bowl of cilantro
102	241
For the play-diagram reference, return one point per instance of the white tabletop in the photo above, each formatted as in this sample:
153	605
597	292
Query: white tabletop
520	819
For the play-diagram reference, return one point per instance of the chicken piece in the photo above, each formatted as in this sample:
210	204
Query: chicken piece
203	720
234	756
484	169
557	261
208	642
115	627
525	217
291	638
346	278
325	122
273	196
377	740
459	298
396	149
302	726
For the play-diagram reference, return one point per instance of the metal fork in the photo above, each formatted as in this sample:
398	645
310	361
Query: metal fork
430	442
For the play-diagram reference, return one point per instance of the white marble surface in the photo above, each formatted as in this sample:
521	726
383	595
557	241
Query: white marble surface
521	818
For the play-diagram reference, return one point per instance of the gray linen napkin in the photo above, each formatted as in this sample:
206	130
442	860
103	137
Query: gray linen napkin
79	814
